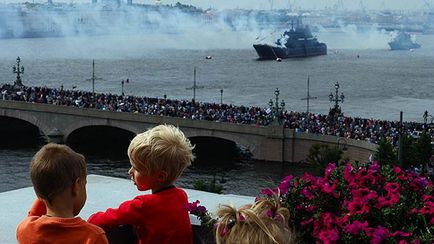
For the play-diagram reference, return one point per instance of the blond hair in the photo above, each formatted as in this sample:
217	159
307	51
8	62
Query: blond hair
54	168
163	147
261	223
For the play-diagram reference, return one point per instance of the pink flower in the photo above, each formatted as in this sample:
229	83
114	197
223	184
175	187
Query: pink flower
329	236
387	201
268	192
364	194
427	210
191	206
392	187
306	222
329	170
374	167
378	235
285	184
356	227
307	194
195	209
348	173
401	234
330	189
358	207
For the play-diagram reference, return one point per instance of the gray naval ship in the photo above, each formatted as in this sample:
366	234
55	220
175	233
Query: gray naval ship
403	41
298	42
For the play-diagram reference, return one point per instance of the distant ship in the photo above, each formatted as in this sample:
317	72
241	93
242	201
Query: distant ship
403	41
296	43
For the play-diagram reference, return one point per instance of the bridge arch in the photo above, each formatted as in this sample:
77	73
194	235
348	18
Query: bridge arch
16	132
100	140
27	117
245	142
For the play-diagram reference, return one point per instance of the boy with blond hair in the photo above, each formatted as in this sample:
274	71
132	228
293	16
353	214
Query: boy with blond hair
158	157
59	179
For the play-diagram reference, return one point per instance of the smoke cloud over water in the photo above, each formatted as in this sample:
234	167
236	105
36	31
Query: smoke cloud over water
111	31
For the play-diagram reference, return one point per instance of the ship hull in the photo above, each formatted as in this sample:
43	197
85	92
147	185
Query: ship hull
265	51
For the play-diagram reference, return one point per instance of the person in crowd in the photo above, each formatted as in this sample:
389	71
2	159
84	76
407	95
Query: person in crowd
264	222
158	157
59	179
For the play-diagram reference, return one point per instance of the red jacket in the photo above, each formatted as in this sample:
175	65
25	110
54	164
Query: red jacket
158	218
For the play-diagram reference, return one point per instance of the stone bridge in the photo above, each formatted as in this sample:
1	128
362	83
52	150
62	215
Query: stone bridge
271	143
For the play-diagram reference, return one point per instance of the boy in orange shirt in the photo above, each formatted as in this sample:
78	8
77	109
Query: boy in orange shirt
59	180
158	157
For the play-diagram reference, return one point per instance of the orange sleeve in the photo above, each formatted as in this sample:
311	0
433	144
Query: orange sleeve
38	208
102	239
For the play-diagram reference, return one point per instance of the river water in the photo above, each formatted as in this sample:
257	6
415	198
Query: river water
245	178
377	83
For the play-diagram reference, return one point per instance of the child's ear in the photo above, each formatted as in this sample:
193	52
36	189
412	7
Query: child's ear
162	176
75	189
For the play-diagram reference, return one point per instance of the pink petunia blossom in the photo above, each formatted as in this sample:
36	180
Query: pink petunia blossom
285	185
364	194
307	194
378	234
388	201
392	187
358	207
330	189
329	236
268	192
356	227
306	222
400	233
329	170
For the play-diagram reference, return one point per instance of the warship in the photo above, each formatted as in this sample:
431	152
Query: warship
296	43
403	41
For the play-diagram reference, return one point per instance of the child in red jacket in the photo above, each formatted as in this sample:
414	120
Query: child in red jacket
158	157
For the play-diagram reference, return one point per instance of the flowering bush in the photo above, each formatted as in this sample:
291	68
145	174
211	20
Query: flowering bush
205	232
351	204
201	213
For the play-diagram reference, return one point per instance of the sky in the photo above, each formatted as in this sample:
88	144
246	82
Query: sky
275	4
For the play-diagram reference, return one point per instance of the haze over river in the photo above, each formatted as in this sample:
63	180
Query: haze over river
377	83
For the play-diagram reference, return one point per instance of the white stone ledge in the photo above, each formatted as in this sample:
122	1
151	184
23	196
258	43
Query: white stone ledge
102	192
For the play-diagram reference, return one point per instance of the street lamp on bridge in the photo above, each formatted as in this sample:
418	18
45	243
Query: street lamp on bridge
122	85
425	118
221	96
276	110
18	70
337	99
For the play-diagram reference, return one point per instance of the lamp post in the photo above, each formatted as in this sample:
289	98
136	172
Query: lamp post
425	118
122	85
93	78
18	70
308	96
276	110
221	96
194	86
336	98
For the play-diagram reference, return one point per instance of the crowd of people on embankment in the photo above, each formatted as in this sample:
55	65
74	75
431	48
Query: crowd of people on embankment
370	130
